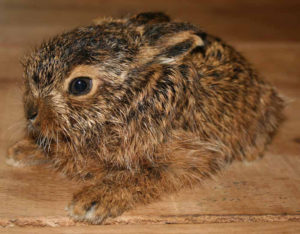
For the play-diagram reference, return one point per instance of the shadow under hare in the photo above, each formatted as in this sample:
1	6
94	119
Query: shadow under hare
140	107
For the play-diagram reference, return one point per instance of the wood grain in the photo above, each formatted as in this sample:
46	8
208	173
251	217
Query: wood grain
258	197
233	228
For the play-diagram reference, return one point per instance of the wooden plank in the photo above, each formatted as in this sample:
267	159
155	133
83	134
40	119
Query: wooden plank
23	21
233	228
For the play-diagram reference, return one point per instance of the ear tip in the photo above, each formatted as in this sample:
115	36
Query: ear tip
150	18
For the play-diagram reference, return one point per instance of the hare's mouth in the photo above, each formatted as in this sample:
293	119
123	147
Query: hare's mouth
51	142
45	143
46	138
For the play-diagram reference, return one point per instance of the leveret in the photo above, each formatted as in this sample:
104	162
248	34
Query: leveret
139	107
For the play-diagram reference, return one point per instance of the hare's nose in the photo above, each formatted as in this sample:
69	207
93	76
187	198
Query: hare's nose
32	114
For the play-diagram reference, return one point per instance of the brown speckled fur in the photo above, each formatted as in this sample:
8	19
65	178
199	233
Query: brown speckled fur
171	106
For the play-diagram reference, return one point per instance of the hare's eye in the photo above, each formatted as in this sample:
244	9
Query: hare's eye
80	85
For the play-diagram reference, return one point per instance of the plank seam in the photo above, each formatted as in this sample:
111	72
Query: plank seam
62	221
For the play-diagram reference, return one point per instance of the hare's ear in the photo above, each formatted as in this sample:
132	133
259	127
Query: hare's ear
149	18
177	46
174	46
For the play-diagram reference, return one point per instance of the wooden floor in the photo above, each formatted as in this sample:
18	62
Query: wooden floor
258	197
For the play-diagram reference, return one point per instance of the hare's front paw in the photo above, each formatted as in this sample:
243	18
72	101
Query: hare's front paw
25	153
96	203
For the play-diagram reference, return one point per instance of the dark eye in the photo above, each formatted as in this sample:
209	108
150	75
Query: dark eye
80	85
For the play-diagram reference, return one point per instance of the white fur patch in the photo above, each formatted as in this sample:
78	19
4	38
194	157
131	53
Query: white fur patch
14	163
167	60
90	214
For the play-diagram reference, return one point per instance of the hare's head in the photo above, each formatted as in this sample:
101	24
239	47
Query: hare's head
117	73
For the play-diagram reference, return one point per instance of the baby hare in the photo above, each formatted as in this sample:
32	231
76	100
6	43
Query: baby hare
140	107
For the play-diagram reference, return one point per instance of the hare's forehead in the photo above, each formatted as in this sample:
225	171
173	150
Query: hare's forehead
53	61
44	70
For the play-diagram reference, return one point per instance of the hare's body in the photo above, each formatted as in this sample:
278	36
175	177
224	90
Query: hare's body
166	106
